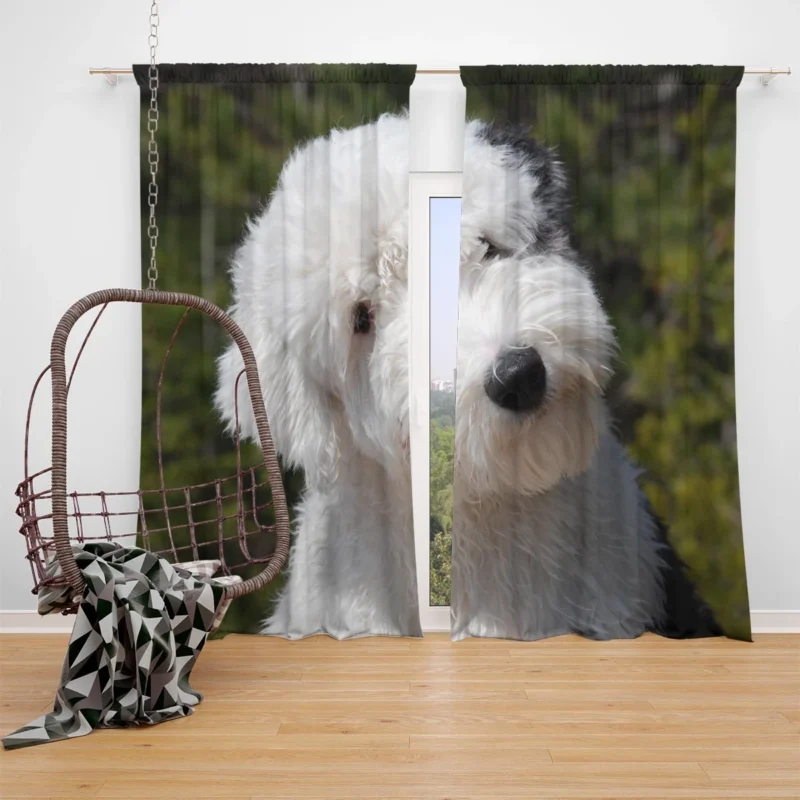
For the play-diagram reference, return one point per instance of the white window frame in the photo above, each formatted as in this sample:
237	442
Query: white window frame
423	187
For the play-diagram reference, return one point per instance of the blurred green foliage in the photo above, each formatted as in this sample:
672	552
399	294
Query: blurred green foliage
221	147
441	558
443	413
652	172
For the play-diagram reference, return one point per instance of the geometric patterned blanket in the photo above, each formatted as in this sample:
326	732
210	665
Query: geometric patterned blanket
140	627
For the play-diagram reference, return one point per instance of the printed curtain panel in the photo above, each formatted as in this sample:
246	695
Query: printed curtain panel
283	195
596	485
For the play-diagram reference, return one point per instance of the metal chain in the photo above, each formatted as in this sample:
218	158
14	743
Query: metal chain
152	147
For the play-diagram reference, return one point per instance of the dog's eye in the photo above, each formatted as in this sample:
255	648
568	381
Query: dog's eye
362	318
491	250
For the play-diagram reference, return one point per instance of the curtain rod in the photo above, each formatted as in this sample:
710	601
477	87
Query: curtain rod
767	73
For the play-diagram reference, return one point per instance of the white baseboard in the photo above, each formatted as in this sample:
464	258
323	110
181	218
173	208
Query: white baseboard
775	621
31	622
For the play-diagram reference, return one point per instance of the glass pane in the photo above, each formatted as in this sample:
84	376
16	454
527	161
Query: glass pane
445	240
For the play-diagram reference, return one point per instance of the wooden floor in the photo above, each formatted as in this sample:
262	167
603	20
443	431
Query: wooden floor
397	718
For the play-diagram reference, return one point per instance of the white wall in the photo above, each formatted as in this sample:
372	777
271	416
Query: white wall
69	210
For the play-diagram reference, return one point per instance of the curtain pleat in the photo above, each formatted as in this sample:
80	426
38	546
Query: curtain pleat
386	74
602	75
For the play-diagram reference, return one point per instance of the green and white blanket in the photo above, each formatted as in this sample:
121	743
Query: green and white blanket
139	630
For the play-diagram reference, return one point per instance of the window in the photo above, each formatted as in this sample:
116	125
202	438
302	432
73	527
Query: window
435	220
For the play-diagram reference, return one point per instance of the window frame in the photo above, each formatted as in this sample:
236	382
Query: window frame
423	187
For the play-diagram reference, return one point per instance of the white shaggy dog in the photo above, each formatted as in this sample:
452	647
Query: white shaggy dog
551	532
320	289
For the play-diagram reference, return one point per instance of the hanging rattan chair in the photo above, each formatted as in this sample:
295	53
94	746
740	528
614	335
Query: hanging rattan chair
211	520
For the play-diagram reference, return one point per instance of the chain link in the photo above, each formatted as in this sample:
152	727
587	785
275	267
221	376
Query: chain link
152	147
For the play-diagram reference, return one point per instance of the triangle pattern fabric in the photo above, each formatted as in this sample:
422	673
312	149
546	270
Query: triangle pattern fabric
140	628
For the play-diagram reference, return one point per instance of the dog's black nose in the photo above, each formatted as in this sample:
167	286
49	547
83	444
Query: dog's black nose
517	380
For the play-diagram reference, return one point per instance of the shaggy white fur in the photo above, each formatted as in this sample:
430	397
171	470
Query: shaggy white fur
332	243
550	533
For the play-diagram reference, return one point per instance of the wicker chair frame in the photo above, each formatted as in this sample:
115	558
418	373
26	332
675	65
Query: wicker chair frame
247	480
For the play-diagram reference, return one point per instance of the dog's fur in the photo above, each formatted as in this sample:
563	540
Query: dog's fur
551	531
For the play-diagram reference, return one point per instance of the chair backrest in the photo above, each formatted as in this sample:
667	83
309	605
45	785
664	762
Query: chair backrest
60	385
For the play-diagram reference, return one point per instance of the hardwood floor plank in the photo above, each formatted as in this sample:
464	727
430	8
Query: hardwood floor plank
412	780
773	774
610	742
716	754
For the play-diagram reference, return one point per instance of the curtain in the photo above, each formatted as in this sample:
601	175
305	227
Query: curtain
283	196
596	482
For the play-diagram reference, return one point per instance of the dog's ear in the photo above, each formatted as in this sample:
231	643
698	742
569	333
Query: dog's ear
301	420
552	192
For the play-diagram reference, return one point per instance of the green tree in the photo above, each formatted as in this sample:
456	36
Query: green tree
441	551
441	494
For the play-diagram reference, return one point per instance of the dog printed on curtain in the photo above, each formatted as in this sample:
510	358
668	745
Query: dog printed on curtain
320	287
284	196
595	464
595	487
